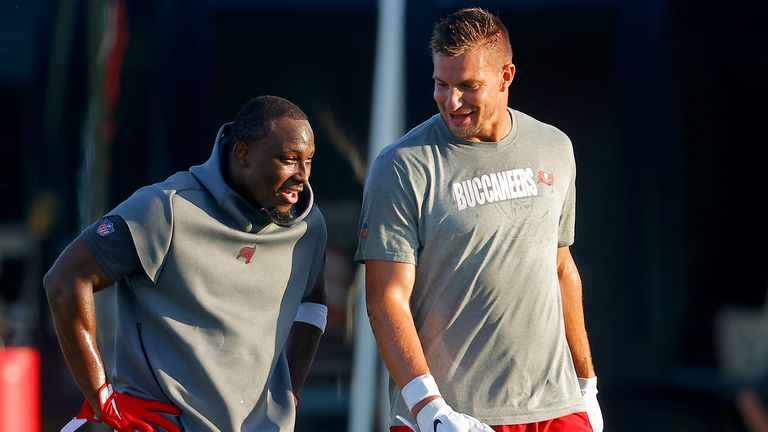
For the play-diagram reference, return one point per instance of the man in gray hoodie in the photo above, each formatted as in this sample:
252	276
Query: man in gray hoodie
218	273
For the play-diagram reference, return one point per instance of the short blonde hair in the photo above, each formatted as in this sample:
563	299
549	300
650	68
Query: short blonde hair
470	28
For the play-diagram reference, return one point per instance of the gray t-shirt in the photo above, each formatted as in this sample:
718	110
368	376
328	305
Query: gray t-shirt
482	221
203	321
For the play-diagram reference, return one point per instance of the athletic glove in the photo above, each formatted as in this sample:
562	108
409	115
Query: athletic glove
588	388
124	413
436	416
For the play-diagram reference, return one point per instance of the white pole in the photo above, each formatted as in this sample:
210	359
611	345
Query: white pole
363	390
387	125
387	120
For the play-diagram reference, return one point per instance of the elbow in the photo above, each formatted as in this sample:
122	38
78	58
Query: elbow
370	308
375	309
55	286
382	309
49	282
377	317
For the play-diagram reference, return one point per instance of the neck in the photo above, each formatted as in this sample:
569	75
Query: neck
503	125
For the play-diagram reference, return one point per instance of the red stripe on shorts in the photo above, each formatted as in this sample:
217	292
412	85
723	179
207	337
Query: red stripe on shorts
576	422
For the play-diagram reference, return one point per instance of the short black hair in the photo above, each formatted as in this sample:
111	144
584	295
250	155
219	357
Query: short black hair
254	120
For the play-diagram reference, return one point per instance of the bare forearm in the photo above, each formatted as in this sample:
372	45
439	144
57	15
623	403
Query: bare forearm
74	318
398	341
576	334
399	344
388	293
301	350
573	314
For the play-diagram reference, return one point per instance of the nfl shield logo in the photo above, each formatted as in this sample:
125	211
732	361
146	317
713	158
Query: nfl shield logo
364	230
105	228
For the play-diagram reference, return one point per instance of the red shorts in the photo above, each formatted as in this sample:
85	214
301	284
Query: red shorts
577	422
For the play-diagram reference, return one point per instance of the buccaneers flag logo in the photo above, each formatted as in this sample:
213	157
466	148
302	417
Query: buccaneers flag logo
247	253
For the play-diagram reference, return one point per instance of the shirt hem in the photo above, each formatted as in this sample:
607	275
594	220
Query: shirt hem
384	256
530	418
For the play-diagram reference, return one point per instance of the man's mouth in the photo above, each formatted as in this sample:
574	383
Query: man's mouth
459	119
291	194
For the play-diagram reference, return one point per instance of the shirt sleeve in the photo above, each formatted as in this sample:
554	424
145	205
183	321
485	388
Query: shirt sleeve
148	214
389	229
109	241
567	225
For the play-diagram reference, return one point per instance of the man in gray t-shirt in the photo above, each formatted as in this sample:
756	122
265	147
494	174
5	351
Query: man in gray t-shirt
218	280
466	224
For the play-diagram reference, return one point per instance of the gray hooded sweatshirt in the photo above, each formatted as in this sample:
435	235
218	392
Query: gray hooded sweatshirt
202	324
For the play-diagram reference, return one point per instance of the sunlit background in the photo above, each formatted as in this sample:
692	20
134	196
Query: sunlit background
665	102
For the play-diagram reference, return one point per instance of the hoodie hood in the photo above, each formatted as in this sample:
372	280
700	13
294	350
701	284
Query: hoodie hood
242	214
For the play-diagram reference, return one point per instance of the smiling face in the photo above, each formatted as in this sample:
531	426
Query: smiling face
271	173
471	91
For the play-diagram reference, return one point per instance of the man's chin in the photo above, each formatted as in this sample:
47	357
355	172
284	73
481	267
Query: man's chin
281	213
282	204
464	132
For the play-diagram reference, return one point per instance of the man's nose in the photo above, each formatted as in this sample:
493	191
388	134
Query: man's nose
302	172
454	100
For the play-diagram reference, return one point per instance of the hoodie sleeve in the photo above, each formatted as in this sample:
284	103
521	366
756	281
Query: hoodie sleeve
149	216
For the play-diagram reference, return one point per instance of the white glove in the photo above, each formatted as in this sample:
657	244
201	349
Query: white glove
437	416
588	388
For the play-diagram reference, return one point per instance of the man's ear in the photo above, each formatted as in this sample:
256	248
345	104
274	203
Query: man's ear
241	151
507	76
